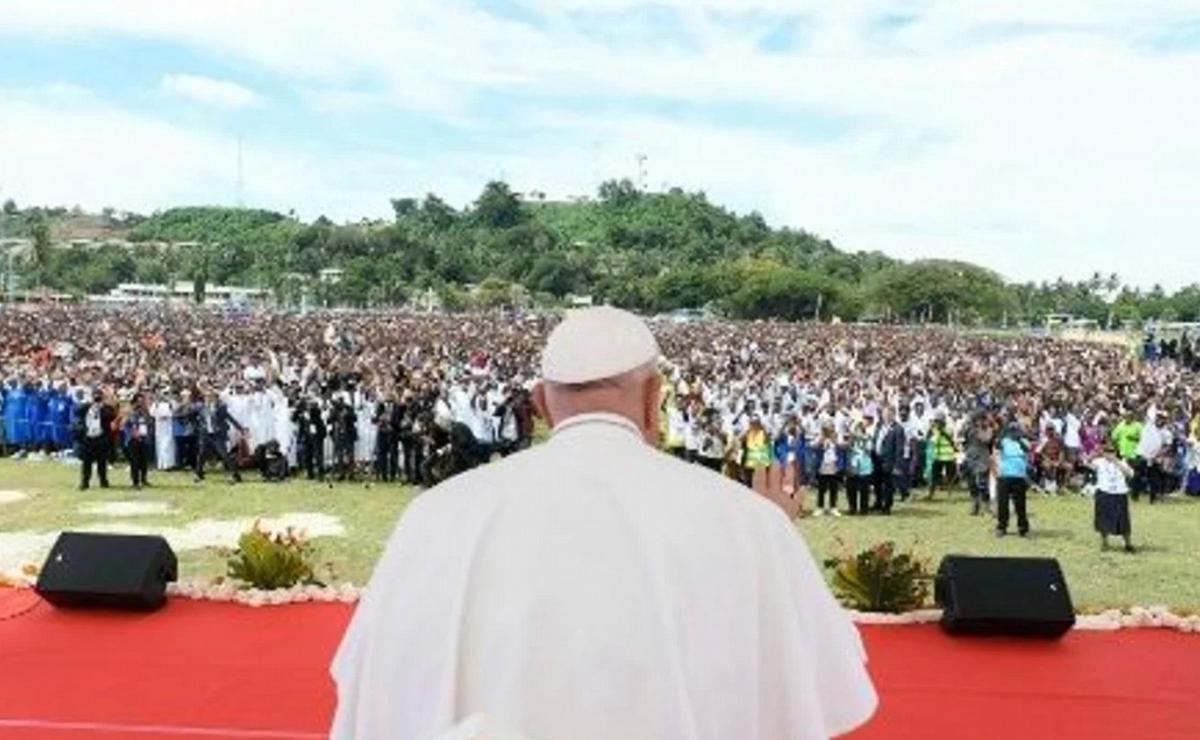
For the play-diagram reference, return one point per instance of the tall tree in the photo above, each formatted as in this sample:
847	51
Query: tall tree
498	206
39	230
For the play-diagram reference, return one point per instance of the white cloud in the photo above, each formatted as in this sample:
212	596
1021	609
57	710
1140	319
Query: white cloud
96	155
1038	138
209	91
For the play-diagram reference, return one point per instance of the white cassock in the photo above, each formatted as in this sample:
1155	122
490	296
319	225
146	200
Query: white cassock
262	419
164	435
593	587
364	445
280	414
238	405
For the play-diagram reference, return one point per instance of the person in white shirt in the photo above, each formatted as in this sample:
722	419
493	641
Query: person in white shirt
691	431
1112	497
1072	438
443	414
481	422
544	592
283	428
917	431
1149	446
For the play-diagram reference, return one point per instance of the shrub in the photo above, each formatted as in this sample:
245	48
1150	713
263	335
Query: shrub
879	579
267	561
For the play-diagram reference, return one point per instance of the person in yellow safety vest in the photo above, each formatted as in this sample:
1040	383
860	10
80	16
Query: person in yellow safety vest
758	455
666	404
676	428
945	452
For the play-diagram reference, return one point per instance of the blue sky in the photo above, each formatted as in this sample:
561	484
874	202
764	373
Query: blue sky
1040	139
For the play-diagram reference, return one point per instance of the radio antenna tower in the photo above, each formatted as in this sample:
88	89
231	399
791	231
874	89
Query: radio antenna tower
240	180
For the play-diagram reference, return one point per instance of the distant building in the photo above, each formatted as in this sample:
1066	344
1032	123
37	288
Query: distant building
183	291
331	275
17	245
578	301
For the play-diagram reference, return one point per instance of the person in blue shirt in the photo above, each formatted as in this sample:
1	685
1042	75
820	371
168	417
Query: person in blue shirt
37	411
830	456
15	423
1012	470
860	470
5	413
61	408
785	456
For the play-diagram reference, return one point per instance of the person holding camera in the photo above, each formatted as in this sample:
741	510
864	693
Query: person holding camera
387	419
311	433
345	433
94	423
138	431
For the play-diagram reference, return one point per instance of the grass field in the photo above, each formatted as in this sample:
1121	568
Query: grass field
367	513
1166	570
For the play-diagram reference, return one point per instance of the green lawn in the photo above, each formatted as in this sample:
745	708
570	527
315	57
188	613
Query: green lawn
367	512
1165	571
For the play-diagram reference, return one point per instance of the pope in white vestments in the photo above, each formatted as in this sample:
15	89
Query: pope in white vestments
593	587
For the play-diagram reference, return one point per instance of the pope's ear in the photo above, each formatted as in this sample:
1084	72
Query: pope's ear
539	403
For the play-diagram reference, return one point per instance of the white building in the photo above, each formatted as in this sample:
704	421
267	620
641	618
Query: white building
183	291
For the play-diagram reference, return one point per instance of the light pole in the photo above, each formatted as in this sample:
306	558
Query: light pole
8	273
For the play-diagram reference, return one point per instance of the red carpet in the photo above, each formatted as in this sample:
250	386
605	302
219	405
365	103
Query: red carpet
197	670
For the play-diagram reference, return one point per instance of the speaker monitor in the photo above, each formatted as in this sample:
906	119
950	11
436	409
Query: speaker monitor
1003	596
117	571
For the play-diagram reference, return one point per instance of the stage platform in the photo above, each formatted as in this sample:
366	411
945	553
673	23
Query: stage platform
203	670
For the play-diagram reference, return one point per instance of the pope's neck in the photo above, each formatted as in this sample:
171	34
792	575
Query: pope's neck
598	419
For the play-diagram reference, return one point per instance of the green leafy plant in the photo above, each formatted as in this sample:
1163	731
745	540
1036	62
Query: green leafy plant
881	579
269	561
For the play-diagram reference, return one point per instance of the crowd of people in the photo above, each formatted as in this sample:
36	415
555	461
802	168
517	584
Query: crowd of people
341	397
795	411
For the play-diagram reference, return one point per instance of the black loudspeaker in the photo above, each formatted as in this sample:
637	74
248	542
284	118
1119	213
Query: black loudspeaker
1003	596
116	571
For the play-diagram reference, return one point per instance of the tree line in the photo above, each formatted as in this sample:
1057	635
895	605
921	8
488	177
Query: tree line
653	252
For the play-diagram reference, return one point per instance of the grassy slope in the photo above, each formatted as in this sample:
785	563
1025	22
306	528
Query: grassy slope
1164	572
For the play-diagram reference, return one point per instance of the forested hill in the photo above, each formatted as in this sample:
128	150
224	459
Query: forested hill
649	251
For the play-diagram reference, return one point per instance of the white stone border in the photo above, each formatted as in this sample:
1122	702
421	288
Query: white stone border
1138	617
346	593
920	616
1153	617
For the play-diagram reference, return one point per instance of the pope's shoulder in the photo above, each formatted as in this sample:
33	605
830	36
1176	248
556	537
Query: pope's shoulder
643	472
